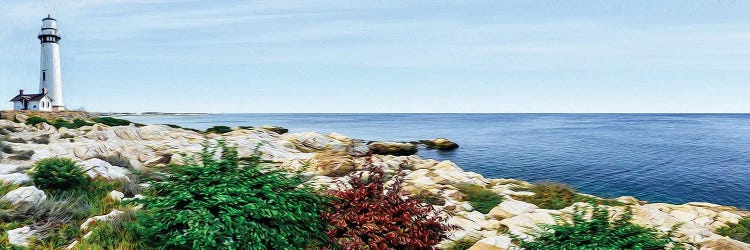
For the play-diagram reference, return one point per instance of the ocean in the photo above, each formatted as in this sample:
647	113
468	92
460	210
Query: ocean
674	158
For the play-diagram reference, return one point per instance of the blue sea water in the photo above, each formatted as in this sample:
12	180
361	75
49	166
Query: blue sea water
674	158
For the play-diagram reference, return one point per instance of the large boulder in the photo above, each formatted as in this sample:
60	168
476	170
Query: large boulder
510	208
313	142
393	148
20	236
14	178
26	195
98	168
440	144
725	244
331	163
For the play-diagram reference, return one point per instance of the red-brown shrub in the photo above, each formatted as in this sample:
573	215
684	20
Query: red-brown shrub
367	215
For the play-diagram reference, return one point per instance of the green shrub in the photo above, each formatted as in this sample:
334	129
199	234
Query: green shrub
480	198
598	232
739	231
58	174
22	155
219	129
462	244
549	195
34	120
176	126
111	121
219	204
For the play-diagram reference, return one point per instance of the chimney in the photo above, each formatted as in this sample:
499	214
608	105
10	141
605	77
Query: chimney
20	92
44	91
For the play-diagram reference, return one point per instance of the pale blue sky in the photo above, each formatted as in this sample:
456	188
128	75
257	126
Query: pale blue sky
387	56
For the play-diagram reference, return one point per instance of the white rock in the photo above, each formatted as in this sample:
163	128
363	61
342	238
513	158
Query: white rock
510	208
8	168
96	167
728	217
522	224
683	216
107	217
20	236
14	178
500	242
116	195
25	194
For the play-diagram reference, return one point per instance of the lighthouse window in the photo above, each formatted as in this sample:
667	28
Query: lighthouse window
44	76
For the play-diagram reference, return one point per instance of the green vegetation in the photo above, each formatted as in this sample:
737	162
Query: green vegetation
176	126
482	199
598	232
58	174
116	234
22	155
77	123
739	231
550	195
34	120
219	204
429	198
219	129
111	121
462	244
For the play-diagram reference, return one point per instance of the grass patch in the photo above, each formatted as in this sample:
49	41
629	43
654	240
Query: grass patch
429	198
5	188
482	199
34	120
598	232
739	231
462	244
555	196
115	234
22	155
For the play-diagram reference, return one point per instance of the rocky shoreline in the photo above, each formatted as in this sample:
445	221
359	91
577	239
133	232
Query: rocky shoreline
324	159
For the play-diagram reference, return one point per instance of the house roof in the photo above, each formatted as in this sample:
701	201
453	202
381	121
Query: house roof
28	97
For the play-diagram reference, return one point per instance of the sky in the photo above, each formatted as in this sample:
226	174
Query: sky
467	56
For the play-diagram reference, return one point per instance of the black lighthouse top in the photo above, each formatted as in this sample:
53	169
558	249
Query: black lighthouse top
49	31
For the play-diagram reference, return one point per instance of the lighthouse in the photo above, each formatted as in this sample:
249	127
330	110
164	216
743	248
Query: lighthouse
50	75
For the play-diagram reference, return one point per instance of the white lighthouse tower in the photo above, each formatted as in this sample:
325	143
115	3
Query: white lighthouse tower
50	75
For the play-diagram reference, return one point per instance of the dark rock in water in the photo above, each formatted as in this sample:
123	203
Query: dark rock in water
393	148
275	129
439	144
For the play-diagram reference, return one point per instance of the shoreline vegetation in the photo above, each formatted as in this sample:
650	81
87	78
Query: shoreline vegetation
76	180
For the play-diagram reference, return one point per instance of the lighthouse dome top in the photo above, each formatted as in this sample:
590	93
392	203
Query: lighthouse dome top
49	23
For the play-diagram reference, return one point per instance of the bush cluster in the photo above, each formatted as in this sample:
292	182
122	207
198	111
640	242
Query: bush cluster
366	215
739	231
58	174
597	232
219	204
479	197
111	121
219	129
34	120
